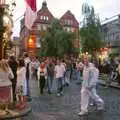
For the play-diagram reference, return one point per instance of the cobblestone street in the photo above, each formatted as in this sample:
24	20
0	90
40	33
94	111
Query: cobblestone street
66	107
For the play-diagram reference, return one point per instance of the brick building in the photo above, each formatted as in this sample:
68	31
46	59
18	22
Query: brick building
30	40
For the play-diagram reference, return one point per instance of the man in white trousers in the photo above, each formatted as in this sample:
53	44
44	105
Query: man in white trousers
90	78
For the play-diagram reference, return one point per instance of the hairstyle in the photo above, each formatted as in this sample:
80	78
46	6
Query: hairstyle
12	58
95	62
25	55
4	65
21	63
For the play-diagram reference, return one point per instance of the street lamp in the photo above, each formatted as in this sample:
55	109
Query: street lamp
6	23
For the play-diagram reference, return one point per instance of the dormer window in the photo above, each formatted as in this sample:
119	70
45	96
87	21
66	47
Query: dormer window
47	18
44	17
41	17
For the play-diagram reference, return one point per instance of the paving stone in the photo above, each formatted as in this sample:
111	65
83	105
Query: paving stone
66	107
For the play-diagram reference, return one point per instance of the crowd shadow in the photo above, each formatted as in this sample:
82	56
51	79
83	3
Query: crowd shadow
98	115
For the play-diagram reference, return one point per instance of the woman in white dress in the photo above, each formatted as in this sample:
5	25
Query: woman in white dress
21	80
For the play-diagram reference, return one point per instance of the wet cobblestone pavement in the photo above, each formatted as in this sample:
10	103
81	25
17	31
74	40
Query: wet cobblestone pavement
66	107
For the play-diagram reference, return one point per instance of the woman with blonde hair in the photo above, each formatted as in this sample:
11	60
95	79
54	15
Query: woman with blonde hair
5	71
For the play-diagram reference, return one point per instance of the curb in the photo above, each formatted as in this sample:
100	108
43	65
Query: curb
113	84
19	113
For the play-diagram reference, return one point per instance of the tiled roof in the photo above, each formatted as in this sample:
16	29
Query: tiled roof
44	16
69	16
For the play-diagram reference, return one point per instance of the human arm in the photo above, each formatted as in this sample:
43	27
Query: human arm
10	73
38	73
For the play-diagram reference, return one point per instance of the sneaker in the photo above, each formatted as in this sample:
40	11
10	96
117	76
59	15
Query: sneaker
100	107
58	94
49	92
82	113
92	104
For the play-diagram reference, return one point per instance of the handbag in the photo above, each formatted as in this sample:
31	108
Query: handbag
10	74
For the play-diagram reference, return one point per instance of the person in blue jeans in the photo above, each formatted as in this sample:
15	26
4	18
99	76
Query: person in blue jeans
50	76
59	73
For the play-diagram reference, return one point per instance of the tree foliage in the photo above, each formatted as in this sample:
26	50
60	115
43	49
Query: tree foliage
56	42
91	37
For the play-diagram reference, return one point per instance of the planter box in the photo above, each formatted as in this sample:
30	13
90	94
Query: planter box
5	92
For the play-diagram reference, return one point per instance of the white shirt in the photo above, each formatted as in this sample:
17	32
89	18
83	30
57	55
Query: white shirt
59	71
40	70
27	60
90	76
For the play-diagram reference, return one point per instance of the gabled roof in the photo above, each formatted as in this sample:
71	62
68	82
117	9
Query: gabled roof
44	11
69	16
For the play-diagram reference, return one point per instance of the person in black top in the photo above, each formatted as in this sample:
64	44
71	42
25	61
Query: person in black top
50	75
13	65
106	71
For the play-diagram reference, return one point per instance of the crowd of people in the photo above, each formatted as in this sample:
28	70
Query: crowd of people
46	70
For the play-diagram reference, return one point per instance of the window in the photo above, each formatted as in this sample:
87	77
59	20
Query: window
47	18
38	42
73	30
39	27
44	27
69	22
44	17
65	21
117	37
41	17
68	29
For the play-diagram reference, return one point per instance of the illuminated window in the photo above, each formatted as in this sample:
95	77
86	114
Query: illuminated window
30	42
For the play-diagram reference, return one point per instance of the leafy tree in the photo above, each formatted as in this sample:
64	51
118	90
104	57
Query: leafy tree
91	36
56	42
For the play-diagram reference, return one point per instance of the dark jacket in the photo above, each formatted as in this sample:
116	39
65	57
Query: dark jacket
13	65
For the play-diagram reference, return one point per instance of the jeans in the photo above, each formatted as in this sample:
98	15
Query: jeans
78	75
42	83
67	77
86	94
49	83
59	85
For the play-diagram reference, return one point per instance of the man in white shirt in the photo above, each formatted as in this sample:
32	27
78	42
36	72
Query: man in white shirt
59	73
90	78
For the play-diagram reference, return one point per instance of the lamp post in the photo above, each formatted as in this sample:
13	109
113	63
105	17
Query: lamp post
5	23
